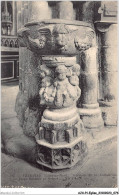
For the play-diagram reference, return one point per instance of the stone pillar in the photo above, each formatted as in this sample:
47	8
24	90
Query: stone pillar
25	12
19	5
108	56
19	25
90	112
89	108
14	9
65	10
27	105
54	45
20	100
88	11
39	10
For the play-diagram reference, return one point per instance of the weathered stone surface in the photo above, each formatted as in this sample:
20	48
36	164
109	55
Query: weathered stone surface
65	10
58	38
108	47
91	117
58	89
60	125
18	172
53	75
10	129
15	143
109	114
34	13
31	120
88	11
62	156
21	105
59	84
90	112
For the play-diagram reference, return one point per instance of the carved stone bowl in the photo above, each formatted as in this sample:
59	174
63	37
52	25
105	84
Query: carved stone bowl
56	37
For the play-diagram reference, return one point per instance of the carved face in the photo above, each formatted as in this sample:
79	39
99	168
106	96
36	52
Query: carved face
44	71
46	82
61	72
60	40
61	76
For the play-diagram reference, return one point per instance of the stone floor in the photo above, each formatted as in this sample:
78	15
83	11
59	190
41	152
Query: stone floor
99	168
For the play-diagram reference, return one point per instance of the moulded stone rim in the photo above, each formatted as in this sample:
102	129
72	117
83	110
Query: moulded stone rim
89	111
101	27
59	124
60	21
60	114
105	22
59	146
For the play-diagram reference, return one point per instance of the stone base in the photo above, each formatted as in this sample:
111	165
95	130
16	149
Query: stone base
92	118
60	143
109	113
61	156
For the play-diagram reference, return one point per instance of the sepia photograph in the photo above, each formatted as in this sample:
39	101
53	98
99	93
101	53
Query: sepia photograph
59	84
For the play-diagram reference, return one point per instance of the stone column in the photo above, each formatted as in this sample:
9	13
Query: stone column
108	56
89	108
60	143
39	10
19	5
27	105
14	9
88	11
25	12
19	105
65	10
19	25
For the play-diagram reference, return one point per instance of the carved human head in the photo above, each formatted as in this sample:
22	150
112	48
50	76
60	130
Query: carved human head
61	72
44	71
47	81
60	33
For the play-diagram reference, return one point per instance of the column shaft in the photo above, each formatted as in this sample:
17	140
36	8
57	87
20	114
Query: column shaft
28	63
89	111
65	10
89	78
39	10
109	74
14	28
88	11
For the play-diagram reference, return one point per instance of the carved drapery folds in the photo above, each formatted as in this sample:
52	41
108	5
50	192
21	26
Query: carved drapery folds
56	43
